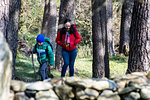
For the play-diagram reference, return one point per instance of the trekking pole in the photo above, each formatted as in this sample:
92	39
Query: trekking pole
33	66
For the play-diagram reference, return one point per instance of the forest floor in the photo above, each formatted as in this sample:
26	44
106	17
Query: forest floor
25	72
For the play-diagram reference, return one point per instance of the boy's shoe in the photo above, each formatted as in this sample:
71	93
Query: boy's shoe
47	80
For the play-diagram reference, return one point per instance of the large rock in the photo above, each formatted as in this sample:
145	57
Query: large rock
56	81
97	84
108	95
137	77
5	69
17	86
134	95
126	90
86	94
64	92
39	86
145	93
80	94
46	95
21	96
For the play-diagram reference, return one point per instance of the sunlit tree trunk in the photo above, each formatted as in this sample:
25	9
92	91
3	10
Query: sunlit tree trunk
49	21
104	22
109	12
67	10
9	19
126	16
12	29
4	15
139	54
99	37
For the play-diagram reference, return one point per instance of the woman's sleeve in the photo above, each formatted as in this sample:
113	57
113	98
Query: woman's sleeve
58	41
78	37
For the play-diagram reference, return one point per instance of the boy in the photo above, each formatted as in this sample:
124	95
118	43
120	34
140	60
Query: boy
44	55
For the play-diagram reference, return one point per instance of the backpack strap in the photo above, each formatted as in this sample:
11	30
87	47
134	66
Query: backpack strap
49	42
60	34
51	46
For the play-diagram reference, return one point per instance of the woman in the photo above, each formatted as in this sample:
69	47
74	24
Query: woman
68	38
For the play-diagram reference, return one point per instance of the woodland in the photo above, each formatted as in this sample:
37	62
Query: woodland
110	30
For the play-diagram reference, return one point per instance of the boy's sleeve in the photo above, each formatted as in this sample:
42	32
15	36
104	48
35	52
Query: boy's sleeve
50	56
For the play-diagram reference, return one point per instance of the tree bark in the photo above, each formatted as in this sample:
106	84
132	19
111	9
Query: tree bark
109	12
139	54
127	10
49	21
4	15
99	33
12	30
104	21
5	54
67	10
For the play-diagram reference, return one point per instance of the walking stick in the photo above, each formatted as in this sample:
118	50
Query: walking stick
33	66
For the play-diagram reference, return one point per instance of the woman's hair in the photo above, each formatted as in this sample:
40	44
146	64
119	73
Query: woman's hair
72	29
67	20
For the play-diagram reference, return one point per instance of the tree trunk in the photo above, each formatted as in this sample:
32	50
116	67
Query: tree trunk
109	12
12	29
98	30
4	15
139	54
5	54
49	21
67	10
103	17
127	9
5	69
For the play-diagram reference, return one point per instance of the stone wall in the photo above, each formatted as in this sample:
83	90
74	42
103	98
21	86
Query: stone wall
135	86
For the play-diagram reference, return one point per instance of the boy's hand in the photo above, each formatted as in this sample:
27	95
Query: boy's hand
50	67
30	50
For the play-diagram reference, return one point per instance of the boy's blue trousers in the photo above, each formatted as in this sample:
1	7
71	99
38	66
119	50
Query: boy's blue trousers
43	72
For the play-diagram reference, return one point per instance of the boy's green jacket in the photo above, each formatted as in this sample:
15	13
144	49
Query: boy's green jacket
44	53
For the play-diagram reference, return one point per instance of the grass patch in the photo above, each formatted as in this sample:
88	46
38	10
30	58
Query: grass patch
118	65
25	72
24	69
84	67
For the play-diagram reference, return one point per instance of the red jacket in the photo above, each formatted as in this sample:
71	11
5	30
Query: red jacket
74	40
